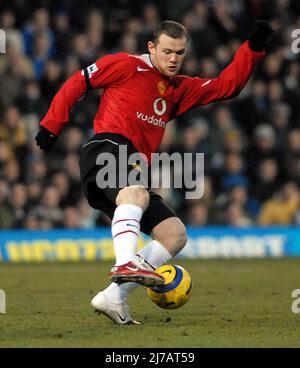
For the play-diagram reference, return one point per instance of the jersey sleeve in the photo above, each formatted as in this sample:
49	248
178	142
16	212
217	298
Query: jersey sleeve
202	91
110	70
107	71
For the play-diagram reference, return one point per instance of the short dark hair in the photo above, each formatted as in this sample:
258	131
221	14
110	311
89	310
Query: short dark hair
170	28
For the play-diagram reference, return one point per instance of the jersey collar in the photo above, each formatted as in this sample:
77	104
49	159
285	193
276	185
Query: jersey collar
146	58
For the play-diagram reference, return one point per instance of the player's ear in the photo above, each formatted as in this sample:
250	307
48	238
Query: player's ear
151	47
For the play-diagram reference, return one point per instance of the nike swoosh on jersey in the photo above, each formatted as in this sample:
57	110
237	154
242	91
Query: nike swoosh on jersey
139	69
204	84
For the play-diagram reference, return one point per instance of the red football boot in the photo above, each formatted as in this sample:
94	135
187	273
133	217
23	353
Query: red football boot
134	272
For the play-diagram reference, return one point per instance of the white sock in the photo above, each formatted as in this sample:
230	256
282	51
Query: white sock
155	254
125	231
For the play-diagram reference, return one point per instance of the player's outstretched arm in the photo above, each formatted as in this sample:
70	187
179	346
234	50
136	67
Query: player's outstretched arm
110	70
235	76
230	82
260	36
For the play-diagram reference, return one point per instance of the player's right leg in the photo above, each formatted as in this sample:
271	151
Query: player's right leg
124	205
131	203
129	269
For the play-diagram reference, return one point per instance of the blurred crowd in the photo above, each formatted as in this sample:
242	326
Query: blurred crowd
251	143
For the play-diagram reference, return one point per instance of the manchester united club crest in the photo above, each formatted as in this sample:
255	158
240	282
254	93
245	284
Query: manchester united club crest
161	87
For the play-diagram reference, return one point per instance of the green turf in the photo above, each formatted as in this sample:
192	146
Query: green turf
235	303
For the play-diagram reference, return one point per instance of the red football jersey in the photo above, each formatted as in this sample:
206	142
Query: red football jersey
139	101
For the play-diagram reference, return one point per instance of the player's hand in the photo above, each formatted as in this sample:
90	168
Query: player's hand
260	35
45	139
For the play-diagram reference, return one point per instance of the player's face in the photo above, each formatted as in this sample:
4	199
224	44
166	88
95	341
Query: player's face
168	54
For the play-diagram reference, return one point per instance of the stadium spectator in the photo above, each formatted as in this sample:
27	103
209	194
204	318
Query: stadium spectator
197	215
282	208
39	25
233	174
71	218
18	200
267	180
48	210
235	216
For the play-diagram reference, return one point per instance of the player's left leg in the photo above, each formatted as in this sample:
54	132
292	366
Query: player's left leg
172	234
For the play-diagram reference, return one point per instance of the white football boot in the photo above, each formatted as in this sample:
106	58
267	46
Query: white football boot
119	313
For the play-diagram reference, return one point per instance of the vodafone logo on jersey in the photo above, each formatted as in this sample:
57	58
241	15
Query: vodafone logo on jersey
159	106
151	119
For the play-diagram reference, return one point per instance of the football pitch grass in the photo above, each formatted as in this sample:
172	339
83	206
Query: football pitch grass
234	303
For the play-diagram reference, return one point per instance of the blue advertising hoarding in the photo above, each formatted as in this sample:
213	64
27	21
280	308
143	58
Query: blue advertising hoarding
91	245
